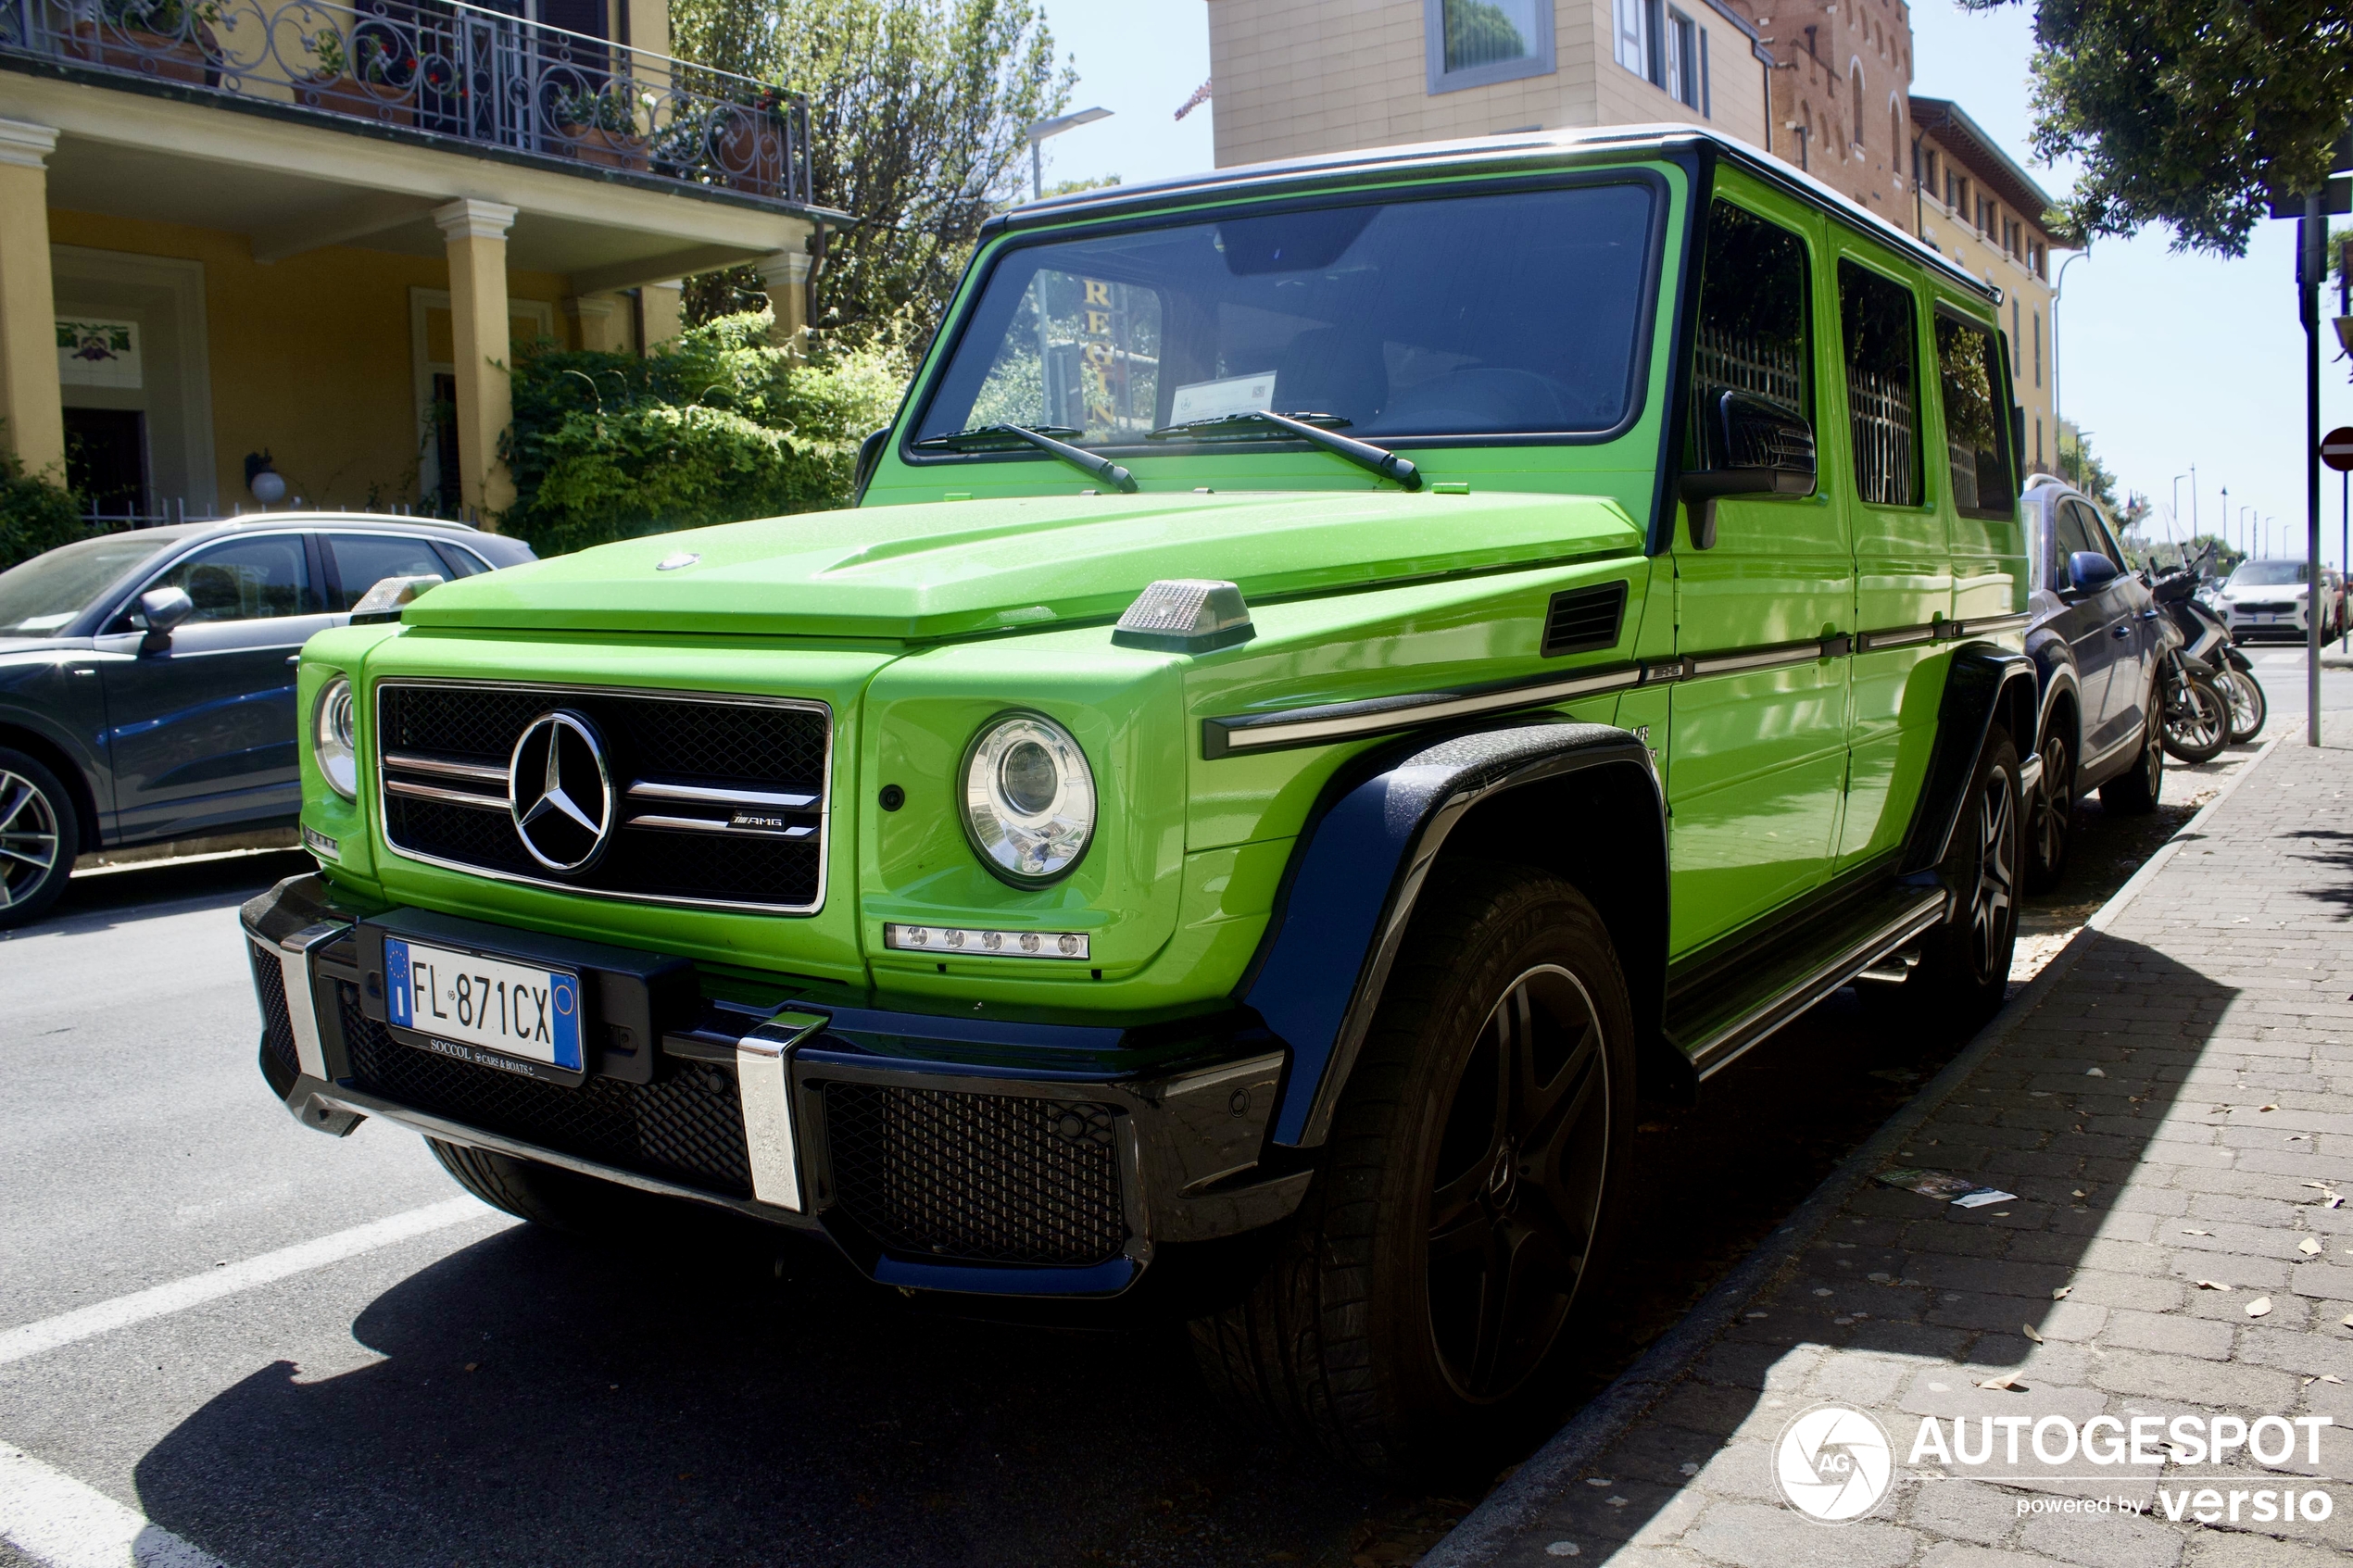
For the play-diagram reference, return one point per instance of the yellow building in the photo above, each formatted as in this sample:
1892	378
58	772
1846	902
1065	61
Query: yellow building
1297	77
234	227
1975	205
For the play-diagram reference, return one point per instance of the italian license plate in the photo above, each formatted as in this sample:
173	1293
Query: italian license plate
463	999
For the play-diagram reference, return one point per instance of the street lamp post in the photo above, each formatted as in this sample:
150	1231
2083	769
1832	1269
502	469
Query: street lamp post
2173	514
1038	133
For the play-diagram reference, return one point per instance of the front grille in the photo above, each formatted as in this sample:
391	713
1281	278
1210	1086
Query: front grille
977	1178
444	747
687	1128
1580	620
277	1018
2268	608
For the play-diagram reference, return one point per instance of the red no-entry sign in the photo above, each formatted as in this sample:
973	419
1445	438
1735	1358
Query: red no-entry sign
2337	448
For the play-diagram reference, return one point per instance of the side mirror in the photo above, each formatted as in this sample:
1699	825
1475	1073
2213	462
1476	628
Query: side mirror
870	456
2087	573
1749	446
163	609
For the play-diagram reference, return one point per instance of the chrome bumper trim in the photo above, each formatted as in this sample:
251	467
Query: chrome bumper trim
763	1082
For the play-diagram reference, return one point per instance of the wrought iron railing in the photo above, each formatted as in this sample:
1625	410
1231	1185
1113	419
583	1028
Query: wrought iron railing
447	68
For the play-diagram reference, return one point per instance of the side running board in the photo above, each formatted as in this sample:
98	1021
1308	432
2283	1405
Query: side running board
1716	1017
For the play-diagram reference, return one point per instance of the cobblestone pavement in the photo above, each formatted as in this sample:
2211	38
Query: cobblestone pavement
2174	1112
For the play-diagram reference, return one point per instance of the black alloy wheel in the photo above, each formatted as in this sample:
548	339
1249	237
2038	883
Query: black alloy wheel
40	834
1517	1196
2052	823
1964	969
1992	903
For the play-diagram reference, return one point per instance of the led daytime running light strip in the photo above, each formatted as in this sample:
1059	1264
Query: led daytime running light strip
964	940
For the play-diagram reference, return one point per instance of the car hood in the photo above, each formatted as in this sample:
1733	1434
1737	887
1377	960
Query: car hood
959	569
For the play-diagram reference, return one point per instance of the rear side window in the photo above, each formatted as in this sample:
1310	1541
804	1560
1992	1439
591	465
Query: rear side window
1883	386
1977	426
362	560
247	580
462	562
1752	316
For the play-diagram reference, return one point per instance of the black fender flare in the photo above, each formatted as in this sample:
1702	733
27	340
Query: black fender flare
1984	682
1358	870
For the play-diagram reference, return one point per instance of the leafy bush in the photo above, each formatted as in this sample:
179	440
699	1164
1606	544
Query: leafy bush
720	426
34	514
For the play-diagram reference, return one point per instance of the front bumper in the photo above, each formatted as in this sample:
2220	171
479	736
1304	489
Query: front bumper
2270	623
945	1153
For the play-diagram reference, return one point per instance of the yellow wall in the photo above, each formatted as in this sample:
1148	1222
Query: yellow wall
310	357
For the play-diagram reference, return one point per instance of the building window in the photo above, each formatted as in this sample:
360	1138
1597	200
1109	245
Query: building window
1895	134
1683	60
1474	42
1707	97
1859	109
2038	348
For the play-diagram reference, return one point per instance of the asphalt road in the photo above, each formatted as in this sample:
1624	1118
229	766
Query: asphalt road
474	1392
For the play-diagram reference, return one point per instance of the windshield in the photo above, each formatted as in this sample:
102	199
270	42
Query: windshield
1518	313
40	597
2269	573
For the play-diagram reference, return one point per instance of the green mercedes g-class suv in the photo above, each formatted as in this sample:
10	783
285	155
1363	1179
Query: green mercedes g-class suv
1340	676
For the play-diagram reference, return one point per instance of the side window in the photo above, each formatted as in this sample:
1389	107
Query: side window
247	580
2087	522
462	562
2072	536
1752	317
1882	392
1977	423
362	560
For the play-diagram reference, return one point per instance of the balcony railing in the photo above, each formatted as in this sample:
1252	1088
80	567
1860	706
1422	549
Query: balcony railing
449	68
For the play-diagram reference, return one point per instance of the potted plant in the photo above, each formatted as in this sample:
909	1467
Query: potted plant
368	76
749	137
598	127
165	40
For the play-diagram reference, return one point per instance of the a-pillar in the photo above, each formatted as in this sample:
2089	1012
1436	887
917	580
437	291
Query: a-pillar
30	400
475	233
784	276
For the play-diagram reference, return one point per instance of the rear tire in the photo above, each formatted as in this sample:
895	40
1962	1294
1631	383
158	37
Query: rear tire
2135	791
1964	970
1413	1322
40	834
2052	823
561	1200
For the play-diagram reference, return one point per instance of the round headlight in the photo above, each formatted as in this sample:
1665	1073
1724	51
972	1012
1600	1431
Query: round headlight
333	736
1029	801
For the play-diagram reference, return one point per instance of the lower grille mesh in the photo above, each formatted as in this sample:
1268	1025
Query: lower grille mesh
687	1128
981	1178
277	1018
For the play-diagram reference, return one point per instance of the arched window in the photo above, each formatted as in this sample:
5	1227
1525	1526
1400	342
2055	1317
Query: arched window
1858	102
1895	134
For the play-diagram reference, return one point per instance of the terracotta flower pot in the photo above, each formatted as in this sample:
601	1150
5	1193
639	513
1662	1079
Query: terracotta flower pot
161	56
360	100
614	149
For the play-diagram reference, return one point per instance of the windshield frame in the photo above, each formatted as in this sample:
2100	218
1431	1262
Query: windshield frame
916	412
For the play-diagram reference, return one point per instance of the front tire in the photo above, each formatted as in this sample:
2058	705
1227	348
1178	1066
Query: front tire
561	1200
2242	694
40	834
1414	1322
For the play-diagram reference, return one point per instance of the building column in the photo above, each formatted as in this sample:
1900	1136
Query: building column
661	314
475	234
600	325
30	399
784	276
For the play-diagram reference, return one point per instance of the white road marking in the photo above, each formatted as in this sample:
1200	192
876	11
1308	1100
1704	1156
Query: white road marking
55	1520
33	1338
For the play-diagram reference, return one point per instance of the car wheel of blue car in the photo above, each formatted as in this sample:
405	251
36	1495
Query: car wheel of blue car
40	834
2053	814
1466	1205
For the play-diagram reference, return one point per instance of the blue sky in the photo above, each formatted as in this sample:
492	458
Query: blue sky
2166	360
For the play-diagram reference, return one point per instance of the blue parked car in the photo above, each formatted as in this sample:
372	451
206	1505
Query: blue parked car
2095	640
147	684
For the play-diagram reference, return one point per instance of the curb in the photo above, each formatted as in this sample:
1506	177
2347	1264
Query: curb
1547	1475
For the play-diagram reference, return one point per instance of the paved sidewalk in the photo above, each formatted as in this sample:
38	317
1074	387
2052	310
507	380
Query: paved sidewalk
2173	1109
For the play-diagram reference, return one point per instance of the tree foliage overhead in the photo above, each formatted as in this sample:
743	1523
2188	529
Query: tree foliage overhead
2191	113
917	109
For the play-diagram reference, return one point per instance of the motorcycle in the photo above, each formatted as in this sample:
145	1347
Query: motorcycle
2185	599
2197	718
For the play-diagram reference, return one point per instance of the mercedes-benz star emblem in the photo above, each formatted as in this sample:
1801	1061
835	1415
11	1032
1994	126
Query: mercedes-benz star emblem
561	792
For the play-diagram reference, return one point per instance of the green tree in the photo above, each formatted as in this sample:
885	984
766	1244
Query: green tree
2082	468
917	109
2186	112
35	514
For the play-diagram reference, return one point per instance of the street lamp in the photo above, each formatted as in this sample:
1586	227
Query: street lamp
2174	516
2059	292
1039	129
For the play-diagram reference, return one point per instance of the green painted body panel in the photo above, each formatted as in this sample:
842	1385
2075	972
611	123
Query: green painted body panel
961	590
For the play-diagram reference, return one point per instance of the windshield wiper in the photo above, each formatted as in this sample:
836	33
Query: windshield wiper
985	438
1363	453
